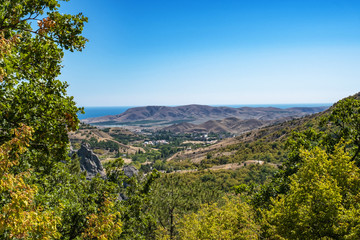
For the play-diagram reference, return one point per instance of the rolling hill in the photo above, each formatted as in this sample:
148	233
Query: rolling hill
229	125
198	114
264	143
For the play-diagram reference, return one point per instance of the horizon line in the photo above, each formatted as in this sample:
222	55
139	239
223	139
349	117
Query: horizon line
216	105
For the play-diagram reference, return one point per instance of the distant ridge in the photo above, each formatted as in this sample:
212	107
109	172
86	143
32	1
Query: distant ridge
272	135
200	114
228	125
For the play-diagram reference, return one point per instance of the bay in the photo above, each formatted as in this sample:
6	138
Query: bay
91	112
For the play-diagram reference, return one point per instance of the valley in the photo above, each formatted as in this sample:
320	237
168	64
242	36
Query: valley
96	146
181	138
248	159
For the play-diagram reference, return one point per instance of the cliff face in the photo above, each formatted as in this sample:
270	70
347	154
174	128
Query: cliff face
89	162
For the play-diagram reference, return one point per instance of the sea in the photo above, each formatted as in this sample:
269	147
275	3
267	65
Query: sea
91	112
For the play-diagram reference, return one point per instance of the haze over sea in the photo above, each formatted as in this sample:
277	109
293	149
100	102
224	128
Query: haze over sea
91	112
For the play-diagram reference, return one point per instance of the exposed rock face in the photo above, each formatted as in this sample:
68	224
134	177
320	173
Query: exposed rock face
130	171
89	162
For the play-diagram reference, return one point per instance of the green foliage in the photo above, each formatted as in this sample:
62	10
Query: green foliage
315	193
105	223
54	200
322	200
114	171
174	195
233	220
137	218
30	61
168	150
178	194
125	138
342	122
108	145
267	151
150	155
21	216
43	194
80	198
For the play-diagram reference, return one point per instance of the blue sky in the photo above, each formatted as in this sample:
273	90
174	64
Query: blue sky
176	52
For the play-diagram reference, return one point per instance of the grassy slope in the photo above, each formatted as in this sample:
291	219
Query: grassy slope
266	144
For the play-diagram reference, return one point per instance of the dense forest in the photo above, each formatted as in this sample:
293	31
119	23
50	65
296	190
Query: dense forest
311	191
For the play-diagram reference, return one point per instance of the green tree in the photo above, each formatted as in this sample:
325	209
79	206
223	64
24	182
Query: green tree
33	36
344	123
84	203
47	196
21	217
137	217
322	201
233	220
341	123
173	195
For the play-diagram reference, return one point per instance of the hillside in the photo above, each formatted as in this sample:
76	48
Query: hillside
111	135
264	144
230	125
198	114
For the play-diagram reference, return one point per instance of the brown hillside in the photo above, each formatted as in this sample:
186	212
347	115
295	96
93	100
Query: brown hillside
200	113
230	125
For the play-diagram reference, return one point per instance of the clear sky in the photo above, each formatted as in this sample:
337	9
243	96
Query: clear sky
176	52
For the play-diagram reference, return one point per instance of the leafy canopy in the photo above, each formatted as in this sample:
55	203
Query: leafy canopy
33	36
322	201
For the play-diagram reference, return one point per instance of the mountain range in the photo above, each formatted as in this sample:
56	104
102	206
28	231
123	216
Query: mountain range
198	114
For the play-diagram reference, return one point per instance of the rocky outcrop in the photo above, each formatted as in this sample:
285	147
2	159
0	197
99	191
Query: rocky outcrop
130	171
89	162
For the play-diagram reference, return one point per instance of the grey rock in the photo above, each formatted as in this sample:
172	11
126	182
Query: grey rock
89	162
122	197
130	171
